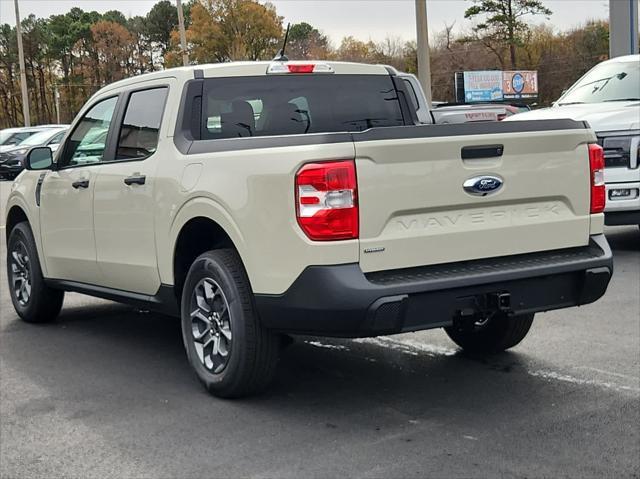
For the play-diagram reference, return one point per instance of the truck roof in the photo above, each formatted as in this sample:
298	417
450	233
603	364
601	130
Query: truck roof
260	68
247	68
624	59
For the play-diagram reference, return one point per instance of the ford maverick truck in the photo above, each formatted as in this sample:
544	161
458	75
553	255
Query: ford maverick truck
258	199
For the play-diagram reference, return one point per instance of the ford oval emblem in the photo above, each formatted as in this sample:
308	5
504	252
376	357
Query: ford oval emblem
482	185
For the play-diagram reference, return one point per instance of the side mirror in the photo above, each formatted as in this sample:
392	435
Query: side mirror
39	158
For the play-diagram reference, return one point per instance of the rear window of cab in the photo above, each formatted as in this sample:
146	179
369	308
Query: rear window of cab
297	104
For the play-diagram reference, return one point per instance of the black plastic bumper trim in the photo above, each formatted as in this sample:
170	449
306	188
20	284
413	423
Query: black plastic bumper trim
340	300
622	218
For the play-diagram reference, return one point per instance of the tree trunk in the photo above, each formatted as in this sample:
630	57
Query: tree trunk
153	66
66	67
33	86
12	97
43	95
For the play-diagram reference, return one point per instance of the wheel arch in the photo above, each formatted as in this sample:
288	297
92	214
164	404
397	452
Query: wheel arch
20	209
15	215
200	225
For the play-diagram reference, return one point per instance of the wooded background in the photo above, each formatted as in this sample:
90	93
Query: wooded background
79	52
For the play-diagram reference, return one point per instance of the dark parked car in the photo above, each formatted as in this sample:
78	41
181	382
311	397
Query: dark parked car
11	137
12	160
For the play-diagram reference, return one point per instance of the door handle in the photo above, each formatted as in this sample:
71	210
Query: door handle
135	180
80	184
482	151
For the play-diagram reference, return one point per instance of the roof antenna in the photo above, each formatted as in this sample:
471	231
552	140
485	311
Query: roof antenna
281	57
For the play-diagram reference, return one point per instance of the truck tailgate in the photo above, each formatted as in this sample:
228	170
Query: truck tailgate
414	210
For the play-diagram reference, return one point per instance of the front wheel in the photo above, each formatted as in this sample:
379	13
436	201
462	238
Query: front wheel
232	354
500	333
32	299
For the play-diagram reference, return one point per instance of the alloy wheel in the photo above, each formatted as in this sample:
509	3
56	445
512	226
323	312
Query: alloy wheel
21	273
211	325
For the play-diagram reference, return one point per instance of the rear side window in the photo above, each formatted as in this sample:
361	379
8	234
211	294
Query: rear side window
140	128
297	104
412	95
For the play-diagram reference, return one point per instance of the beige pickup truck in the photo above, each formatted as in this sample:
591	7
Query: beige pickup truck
259	199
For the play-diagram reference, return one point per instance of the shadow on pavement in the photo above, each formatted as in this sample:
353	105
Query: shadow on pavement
109	346
624	238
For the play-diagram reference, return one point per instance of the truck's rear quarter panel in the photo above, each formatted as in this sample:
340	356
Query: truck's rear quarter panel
254	189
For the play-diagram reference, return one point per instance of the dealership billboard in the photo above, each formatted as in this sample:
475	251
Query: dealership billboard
495	86
519	84
482	86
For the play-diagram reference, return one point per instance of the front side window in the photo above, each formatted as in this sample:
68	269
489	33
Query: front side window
298	104
140	128
88	140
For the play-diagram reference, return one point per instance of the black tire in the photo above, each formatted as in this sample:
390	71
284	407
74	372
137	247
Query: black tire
252	350
43	303
499	334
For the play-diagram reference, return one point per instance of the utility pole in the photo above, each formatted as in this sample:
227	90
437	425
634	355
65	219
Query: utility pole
424	63
623	25
183	35
23	73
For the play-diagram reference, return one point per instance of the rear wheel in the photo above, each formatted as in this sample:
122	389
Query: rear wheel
232	354
500	333
32	299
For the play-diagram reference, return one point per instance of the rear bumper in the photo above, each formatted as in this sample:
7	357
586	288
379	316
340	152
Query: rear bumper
343	301
621	218
625	210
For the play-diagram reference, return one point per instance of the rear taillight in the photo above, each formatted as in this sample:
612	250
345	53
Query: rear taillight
598	194
327	200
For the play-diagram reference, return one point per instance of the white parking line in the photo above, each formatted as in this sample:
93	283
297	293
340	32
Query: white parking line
609	373
408	346
552	375
416	348
318	344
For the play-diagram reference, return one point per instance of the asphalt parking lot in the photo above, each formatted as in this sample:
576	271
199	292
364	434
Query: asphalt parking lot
107	392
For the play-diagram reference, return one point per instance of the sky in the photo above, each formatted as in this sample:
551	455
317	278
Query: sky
364	19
